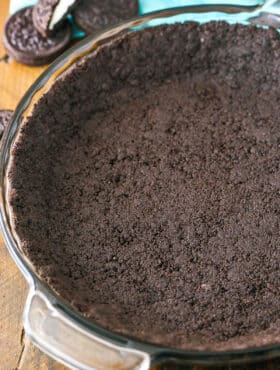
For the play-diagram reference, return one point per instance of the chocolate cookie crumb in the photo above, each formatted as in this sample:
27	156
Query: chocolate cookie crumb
154	208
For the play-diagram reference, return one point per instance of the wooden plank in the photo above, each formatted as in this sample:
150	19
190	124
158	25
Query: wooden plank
12	292
34	359
15	78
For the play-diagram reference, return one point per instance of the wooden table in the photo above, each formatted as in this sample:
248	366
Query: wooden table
16	351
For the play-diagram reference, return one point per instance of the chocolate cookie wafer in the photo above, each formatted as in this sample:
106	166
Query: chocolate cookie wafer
48	15
91	16
25	44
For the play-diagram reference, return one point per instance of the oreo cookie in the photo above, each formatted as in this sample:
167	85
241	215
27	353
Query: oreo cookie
48	15
25	44
5	116
91	15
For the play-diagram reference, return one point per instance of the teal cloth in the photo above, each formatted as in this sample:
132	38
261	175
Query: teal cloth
145	6
269	6
18	4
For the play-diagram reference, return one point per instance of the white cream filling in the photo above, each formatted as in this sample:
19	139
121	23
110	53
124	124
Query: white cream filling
60	10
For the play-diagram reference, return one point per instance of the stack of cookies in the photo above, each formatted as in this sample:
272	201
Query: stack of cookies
37	35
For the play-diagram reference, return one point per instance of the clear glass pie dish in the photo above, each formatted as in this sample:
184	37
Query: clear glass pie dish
50	322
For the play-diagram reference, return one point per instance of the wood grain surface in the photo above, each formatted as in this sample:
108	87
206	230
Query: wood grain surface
16	351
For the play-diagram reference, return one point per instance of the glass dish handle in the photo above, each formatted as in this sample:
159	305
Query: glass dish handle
56	334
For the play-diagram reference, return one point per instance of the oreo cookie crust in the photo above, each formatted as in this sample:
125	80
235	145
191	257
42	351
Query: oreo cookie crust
5	116
48	15
91	16
155	207
26	45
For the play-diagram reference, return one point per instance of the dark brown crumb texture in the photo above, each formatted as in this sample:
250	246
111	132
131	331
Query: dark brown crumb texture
145	187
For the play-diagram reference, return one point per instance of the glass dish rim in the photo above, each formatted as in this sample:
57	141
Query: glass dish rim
85	47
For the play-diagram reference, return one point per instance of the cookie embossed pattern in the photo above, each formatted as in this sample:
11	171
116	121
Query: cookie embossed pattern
25	44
